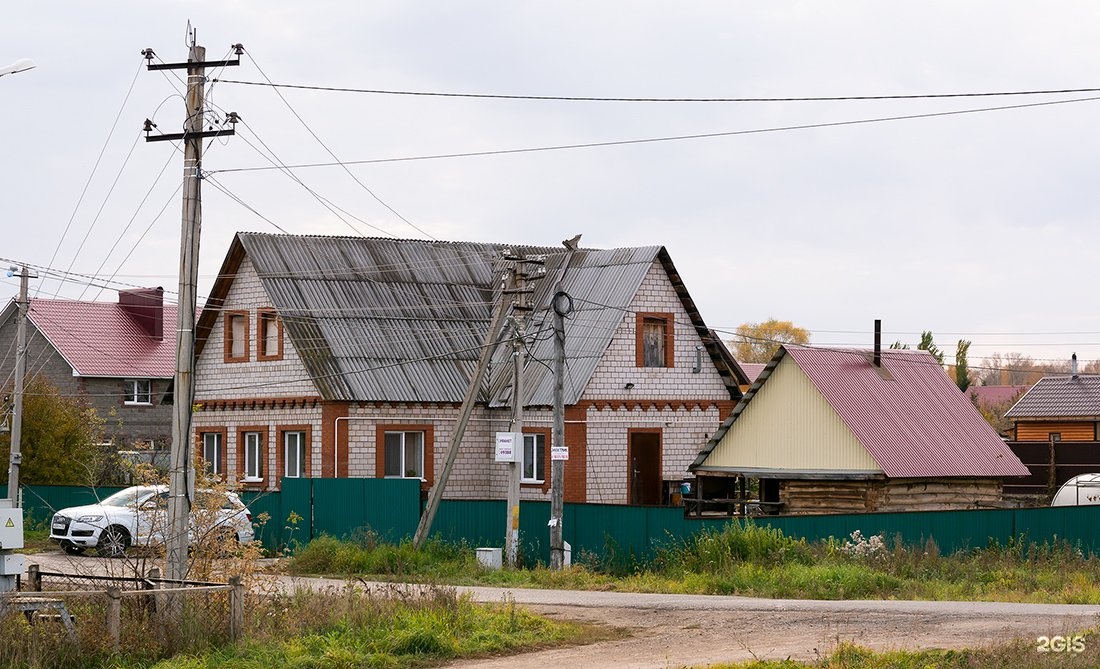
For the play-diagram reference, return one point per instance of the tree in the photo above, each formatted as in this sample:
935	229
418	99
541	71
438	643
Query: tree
962	368
926	344
758	342
60	438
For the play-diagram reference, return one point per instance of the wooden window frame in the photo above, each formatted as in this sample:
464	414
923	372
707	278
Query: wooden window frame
429	448
639	339
227	351
261	335
544	484
280	450
265	472
200	450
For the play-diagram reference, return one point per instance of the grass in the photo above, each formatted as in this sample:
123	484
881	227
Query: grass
746	559
401	627
1020	654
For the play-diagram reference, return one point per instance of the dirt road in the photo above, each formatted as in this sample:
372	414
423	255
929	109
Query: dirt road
662	631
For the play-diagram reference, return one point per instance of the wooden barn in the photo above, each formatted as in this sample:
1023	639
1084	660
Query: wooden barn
843	431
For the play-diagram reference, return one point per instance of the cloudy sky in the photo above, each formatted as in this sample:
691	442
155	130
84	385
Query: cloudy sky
977	225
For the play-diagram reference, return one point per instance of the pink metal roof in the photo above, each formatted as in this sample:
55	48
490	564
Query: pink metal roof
913	419
988	396
752	369
101	339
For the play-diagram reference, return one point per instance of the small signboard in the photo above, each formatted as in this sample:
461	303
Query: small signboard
559	453
509	446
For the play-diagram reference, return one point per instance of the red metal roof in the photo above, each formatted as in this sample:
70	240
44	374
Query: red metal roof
909	415
101	339
989	396
752	369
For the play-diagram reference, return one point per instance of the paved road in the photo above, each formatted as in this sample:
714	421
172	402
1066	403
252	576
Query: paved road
658	631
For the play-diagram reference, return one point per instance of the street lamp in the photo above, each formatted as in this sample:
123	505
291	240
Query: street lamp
21	65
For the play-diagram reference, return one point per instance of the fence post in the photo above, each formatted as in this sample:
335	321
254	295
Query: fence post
34	577
236	608
150	583
114	616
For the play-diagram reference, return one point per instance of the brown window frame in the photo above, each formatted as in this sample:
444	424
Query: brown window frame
200	450
429	448
544	484
227	351
280	450
261	339
264	439
670	338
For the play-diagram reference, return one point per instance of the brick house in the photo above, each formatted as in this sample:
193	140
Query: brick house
349	357
113	355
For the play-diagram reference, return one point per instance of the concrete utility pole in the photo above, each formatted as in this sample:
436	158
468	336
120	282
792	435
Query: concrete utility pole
557	439
16	457
181	480
440	485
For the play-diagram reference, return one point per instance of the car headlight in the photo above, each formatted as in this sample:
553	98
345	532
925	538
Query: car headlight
89	519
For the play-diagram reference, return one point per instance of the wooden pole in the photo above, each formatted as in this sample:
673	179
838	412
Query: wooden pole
114	617
236	608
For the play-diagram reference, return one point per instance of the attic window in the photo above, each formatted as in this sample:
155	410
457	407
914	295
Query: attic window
269	335
655	341
236	336
137	391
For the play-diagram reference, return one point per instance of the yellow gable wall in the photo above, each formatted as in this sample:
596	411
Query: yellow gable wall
789	425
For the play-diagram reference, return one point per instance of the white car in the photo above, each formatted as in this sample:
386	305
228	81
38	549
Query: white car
138	516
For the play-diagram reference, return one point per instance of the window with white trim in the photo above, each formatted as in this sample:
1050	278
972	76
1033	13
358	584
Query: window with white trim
294	450
534	458
253	456
404	455
212	452
138	391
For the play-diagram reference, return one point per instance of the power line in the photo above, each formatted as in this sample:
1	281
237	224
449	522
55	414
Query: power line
585	98
671	138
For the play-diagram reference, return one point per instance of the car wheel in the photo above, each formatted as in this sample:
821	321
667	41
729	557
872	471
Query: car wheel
71	549
113	541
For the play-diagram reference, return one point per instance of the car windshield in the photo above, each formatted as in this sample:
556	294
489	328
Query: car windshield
128	497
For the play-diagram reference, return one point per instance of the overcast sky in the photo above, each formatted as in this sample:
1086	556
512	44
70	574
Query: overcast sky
976	225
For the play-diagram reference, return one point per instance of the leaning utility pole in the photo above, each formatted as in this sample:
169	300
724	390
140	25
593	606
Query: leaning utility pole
16	457
182	476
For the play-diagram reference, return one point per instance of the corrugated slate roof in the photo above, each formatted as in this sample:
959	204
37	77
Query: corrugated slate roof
102	339
908	414
404	320
1060	396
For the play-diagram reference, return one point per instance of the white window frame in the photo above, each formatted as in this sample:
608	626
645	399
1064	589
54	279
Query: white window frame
135	395
253	445
403	451
534	455
299	437
212	446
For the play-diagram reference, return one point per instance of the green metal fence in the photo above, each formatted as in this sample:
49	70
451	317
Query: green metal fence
390	509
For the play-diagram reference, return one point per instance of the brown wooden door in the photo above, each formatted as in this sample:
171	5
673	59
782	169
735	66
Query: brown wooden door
644	468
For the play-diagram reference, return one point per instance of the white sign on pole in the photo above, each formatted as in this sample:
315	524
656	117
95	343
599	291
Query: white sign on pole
559	452
509	447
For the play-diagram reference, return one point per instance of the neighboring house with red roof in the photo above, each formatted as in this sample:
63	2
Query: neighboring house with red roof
119	357
752	370
349	357
834	431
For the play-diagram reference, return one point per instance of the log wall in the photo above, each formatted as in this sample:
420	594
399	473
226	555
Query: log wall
815	497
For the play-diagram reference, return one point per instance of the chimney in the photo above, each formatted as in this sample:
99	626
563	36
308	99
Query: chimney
1073	365
877	360
146	307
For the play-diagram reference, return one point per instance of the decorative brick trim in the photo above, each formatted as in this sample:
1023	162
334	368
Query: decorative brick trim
576	467
258	403
227	339
280	449
670	337
661	404
263	314
334	439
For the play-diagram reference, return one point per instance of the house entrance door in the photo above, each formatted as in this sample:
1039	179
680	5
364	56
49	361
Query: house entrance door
644	467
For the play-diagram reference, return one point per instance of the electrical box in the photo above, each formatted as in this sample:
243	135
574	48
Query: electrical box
11	527
509	447
11	565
